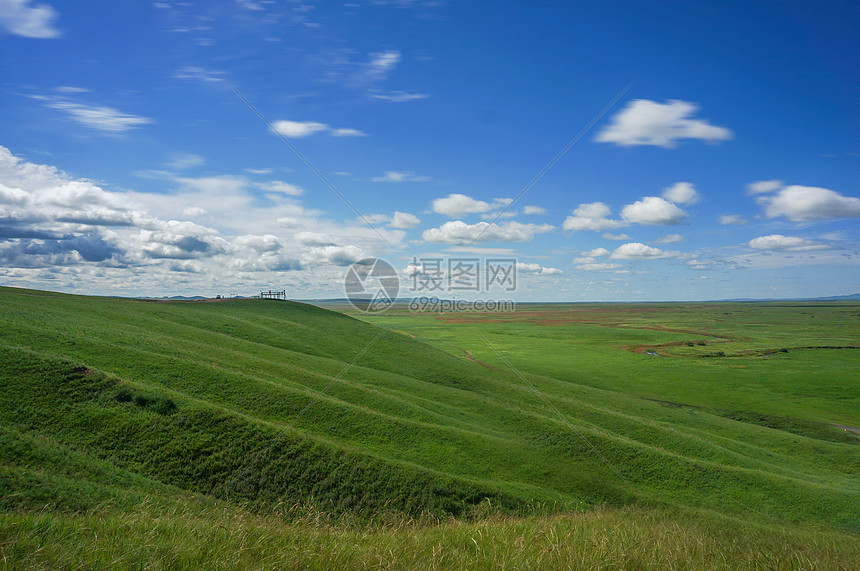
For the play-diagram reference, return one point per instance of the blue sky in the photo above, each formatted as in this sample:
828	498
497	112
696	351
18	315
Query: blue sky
726	167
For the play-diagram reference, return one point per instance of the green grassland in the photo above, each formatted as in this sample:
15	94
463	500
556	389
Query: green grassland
797	360
253	434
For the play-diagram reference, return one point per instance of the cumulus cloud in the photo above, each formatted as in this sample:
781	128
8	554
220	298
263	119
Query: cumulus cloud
182	241
809	203
40	202
591	216
459	205
300	129
534	210
264	243
395	176
596	252
639	251
764	186
458	232
733	220
780	242
404	220
681	193
653	211
538	269
28	19
65	227
332	254
670	239
645	122
588	257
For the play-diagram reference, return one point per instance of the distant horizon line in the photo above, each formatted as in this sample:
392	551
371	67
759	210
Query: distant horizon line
399	300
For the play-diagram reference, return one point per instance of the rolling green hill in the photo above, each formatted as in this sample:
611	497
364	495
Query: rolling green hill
265	412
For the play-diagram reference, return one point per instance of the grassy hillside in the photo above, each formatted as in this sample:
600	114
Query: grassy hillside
263	412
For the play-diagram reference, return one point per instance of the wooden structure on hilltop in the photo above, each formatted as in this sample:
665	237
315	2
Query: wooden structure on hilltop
279	295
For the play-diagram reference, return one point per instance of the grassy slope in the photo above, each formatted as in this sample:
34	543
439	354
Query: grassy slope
107	401
585	344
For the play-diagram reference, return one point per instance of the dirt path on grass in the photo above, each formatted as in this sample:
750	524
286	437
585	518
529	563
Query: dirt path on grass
468	356
847	428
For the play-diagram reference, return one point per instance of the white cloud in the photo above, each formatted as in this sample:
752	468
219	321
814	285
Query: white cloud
645	122
299	129
774	259
281	187
609	236
375	218
591	216
597	266
808	203
404	220
458	232
764	186
698	264
198	74
398	96
193	211
100	118
213	186
532	210
459	205
681	193
51	221
588	256
62	233
653	211
499	215
178	240
639	251
596	252
71	89
538	269
670	239
347	133
733	220
381	64
395	176
780	242
184	161
27	19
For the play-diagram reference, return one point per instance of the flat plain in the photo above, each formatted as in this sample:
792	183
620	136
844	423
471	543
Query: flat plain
252	434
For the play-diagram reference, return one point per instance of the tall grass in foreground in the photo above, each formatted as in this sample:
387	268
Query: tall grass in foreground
224	537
